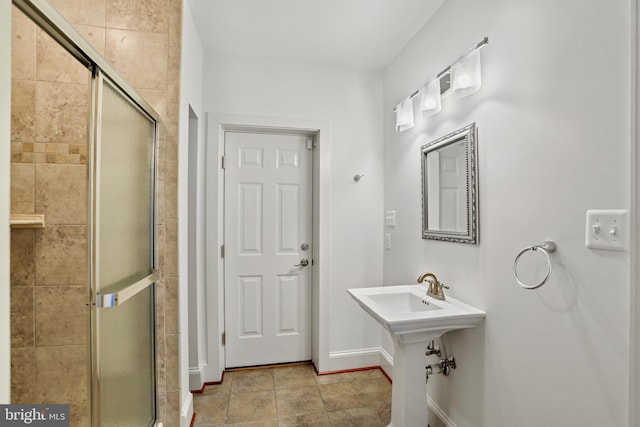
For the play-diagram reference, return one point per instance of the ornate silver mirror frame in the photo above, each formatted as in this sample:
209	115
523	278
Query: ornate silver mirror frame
450	187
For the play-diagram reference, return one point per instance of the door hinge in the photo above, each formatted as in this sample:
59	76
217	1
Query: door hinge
222	251
310	144
224	338
222	165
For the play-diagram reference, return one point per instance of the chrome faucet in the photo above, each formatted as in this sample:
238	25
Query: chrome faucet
436	288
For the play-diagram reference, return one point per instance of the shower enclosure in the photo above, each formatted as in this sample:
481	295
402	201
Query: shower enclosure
113	293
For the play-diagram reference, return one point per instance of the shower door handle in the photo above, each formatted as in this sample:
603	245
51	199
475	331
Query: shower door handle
118	298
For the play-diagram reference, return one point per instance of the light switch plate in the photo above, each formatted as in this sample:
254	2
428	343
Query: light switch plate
607	229
387	240
390	218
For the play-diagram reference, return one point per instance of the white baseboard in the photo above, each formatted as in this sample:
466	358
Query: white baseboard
187	411
196	377
386	362
211	373
448	422
354	359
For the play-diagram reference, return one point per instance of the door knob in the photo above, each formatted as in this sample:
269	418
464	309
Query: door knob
303	263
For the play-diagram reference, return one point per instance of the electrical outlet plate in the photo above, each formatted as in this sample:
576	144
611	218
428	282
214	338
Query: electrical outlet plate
607	230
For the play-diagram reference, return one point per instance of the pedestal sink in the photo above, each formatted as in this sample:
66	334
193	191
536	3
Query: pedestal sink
413	319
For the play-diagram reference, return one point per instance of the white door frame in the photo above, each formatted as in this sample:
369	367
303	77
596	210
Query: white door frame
634	297
217	124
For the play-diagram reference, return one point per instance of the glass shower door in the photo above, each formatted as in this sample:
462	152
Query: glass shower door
123	272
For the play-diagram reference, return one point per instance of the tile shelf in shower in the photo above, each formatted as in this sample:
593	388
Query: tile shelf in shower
27	221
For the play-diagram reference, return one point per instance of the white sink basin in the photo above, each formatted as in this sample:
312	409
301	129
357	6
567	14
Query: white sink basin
402	302
413	319
407	310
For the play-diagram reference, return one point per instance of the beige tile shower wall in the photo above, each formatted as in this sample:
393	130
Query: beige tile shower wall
49	102
49	315
141	39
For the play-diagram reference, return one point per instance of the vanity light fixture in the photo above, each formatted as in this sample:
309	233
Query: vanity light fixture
430	98
466	74
462	78
404	115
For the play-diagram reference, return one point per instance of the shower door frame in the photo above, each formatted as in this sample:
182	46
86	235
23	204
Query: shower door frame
104	301
58	28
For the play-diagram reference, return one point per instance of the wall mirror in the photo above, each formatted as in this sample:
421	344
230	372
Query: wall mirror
450	187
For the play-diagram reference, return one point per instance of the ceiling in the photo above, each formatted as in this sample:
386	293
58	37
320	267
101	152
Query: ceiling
359	33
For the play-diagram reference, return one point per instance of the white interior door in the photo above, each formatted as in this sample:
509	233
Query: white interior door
268	257
453	192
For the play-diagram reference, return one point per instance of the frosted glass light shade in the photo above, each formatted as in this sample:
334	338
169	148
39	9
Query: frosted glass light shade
466	75
430	99
404	115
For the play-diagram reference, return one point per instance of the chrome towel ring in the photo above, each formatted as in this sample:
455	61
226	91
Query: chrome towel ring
546	247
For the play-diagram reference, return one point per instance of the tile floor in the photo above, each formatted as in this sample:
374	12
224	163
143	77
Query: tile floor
295	396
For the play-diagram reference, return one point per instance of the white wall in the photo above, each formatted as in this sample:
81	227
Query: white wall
5	168
553	119
351	101
190	95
